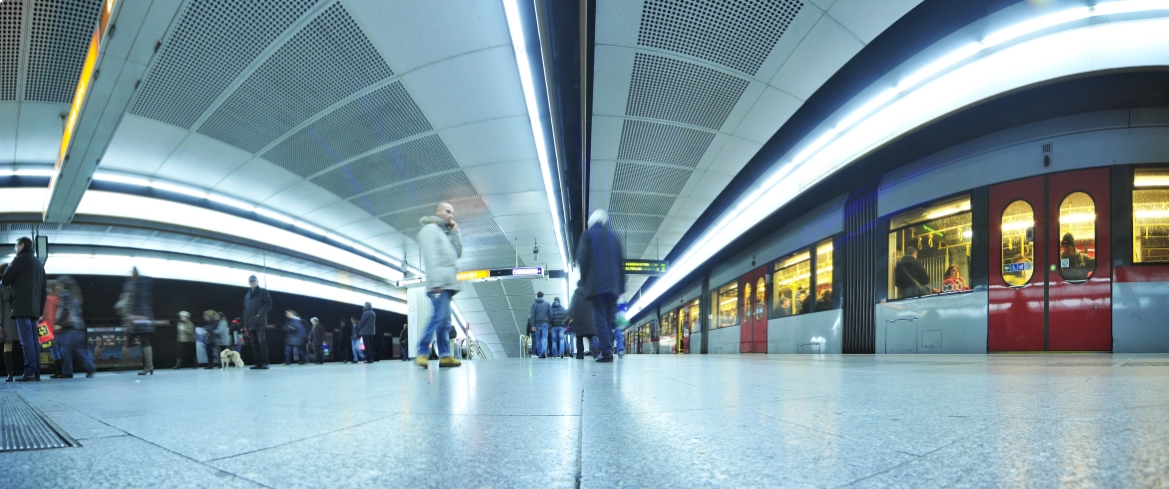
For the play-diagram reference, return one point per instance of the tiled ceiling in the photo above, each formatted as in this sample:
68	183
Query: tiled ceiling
687	91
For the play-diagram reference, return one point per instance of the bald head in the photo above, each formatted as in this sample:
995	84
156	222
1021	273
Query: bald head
446	212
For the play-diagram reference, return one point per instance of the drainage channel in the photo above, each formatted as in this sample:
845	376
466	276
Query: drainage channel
24	427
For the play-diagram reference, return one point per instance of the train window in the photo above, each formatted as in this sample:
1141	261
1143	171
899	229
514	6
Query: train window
760	298
747	298
695	319
929	249
1018	227
1077	242
726	300
1150	217
790	284
824	276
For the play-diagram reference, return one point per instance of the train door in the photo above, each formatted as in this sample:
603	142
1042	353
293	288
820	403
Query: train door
1051	277
753	330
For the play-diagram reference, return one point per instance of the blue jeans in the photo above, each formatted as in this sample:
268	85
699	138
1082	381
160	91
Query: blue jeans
356	343
290	349
29	345
557	340
73	343
620	339
541	340
439	327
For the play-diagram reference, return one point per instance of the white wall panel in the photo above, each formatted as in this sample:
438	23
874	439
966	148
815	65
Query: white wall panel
823	51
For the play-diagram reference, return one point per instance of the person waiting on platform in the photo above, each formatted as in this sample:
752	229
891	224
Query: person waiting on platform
910	276
1073	264
953	280
185	341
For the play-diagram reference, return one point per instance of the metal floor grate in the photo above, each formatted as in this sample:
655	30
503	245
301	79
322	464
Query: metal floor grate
24	427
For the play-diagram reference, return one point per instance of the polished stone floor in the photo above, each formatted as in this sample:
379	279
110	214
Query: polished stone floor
644	421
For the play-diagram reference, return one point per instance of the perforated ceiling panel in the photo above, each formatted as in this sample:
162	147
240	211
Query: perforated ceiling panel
11	16
737	34
429	190
413	159
59	40
662	143
208	49
322	64
650	178
678	91
637	203
373	120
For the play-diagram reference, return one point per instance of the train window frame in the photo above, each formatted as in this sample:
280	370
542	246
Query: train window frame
817	287
1157	181
930	212
1059	266
1027	231
716	295
792	261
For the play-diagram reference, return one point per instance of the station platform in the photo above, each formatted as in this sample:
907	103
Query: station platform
645	421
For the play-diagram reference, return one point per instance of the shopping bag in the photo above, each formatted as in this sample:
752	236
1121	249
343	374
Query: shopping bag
45	333
361	344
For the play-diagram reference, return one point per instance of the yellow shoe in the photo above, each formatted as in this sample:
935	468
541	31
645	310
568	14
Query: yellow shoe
448	362
421	361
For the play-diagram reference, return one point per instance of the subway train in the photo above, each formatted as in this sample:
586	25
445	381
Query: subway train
1047	236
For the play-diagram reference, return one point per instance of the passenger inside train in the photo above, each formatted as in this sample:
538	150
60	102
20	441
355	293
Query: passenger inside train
1074	265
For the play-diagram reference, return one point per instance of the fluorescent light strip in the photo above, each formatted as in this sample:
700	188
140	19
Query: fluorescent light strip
118	265
897	111
214	197
524	65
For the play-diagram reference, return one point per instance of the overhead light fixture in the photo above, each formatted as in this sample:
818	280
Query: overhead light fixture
525	68
936	89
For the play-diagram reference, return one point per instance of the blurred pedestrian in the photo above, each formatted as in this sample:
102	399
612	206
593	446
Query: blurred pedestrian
541	314
73	343
26	275
367	328
602	278
344	343
136	307
49	317
317	340
257	303
404	343
185	341
211	339
442	246
294	336
355	341
11	334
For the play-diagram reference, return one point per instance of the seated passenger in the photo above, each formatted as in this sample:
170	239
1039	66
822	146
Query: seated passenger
910	276
953	280
824	302
1073	264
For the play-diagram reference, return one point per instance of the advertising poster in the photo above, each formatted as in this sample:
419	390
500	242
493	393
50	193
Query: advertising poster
107	345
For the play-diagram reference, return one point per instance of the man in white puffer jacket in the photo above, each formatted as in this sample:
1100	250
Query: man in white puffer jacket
442	246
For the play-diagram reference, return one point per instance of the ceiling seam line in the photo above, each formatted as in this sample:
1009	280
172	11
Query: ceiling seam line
399	142
279	42
402	182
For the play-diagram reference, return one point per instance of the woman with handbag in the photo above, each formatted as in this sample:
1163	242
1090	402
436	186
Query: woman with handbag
137	310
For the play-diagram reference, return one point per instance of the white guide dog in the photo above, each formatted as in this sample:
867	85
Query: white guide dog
228	357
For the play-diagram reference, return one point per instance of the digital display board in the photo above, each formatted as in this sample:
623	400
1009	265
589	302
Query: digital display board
646	267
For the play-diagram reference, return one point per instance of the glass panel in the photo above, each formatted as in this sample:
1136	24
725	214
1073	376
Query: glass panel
1018	227
789	285
1077	242
695	319
1150	226
728	305
925	257
747	299
760	297
931	212
1151	177
824	276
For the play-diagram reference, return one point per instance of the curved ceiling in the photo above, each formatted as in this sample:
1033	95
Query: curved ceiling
355	117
